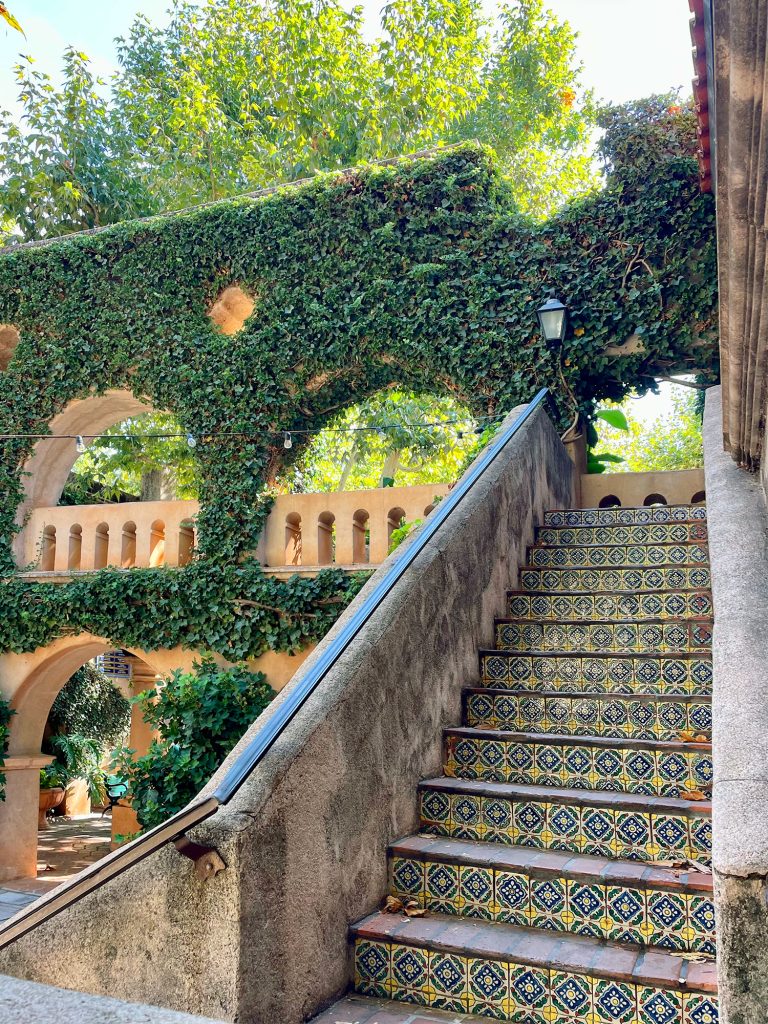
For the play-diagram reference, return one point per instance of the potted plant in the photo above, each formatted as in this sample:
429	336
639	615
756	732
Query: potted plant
77	767
52	790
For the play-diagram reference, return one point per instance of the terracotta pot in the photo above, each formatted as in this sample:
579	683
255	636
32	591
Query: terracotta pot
49	798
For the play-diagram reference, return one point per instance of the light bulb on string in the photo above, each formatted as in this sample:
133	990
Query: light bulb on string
287	440
79	444
191	440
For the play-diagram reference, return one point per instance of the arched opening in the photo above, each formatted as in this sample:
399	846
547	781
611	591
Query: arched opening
395	519
157	544
609	501
48	551
128	546
186	541
101	547
361	548
293	539
326	538
655	499
698	498
75	555
32	683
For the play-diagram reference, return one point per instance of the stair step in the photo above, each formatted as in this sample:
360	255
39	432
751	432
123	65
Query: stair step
618	579
578	762
662	604
639	716
618	900
654	636
625	825
648	533
528	975
356	1009
625	516
615	673
608	555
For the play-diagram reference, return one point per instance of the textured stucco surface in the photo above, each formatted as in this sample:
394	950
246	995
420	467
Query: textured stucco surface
738	547
304	839
31	1003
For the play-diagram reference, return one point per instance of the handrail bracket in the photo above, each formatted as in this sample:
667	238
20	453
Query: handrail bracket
208	862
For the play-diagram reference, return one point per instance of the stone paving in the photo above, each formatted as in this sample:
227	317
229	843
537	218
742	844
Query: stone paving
68	846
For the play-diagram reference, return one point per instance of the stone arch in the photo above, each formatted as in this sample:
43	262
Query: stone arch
46	470
30	682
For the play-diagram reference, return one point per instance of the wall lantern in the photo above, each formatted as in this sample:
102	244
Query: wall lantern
552	320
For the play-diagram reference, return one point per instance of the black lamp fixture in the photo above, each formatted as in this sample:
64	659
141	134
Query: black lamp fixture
553	320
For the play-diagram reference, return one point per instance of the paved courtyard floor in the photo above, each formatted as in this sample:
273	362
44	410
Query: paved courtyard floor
68	846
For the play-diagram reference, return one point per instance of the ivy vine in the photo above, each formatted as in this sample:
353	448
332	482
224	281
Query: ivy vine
421	275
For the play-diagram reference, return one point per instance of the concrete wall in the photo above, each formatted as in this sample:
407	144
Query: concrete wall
304	840
738	546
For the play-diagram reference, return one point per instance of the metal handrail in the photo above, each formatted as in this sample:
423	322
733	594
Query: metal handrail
174	829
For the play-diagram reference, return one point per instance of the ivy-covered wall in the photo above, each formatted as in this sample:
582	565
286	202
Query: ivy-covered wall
420	274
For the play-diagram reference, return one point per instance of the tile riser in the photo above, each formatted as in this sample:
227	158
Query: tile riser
596	674
605	637
625	516
628	580
506	990
608	607
580	556
592	536
618	718
652	772
596	831
676	920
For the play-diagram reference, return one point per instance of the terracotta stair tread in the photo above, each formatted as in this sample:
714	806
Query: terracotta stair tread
535	947
357	1009
551	863
564	740
581	797
687	698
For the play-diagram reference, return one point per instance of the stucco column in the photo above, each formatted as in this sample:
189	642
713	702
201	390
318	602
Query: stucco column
18	816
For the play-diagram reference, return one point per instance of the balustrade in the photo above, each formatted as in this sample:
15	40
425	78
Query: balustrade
303	530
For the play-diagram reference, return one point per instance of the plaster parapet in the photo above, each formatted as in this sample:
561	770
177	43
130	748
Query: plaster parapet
33	1003
738	547
304	838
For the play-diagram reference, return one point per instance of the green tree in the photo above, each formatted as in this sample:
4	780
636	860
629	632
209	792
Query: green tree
395	438
234	95
671	441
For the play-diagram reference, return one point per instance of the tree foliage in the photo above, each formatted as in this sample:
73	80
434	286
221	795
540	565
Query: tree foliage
672	440
90	705
199	716
236	94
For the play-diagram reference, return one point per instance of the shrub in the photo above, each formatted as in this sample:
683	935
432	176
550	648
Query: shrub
200	715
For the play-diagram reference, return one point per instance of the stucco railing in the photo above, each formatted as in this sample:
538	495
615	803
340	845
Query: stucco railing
303	530
631	490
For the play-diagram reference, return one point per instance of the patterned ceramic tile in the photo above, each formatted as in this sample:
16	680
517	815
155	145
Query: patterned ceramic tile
372	968
654	533
488	988
571	997
619	554
441	887
605	637
613	1002
643	578
529	995
625	516
409	974
407	877
447	981
699	1009
608	607
595	674
655	1006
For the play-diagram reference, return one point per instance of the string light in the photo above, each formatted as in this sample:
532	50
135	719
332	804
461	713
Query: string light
192	441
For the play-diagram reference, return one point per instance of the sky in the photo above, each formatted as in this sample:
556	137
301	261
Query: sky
629	50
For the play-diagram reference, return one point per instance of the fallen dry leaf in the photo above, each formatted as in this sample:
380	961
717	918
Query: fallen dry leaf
694	795
392	905
701	738
685	735
412	909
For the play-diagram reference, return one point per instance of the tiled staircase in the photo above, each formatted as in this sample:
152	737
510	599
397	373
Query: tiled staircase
535	857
